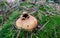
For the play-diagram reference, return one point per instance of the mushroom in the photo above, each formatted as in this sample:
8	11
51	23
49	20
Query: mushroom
26	21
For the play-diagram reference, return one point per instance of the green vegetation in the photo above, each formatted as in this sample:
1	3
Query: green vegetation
50	30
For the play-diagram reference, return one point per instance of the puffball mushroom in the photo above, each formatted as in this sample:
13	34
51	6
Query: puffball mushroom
26	21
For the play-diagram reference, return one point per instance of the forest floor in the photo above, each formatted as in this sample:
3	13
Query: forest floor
47	16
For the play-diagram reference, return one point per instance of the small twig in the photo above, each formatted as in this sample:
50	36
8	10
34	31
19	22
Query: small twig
18	33
3	17
44	25
36	36
33	12
31	35
27	35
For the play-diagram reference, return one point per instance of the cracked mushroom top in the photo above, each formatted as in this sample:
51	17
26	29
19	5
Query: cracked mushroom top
26	21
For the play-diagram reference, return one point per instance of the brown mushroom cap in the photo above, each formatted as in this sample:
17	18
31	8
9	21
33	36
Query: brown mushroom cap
26	22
